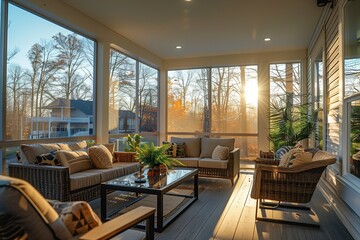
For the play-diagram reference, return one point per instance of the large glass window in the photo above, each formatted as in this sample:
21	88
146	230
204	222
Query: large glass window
217	102
234	99
188	101
288	116
133	99
50	79
148	98
352	84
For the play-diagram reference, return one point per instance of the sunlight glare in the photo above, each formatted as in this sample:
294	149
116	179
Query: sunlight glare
251	93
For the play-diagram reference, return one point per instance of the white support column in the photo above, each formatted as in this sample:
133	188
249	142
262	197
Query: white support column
102	92
3	52
162	105
263	106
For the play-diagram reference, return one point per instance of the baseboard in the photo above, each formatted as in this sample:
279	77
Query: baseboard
347	216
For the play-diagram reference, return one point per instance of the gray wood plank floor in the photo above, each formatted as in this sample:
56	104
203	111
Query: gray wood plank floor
228	212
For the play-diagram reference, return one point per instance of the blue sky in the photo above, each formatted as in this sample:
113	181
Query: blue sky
26	29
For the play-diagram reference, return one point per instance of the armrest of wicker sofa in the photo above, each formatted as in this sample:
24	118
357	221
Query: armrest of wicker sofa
53	182
120	156
234	162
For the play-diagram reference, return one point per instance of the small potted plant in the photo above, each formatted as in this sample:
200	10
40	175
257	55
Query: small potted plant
132	143
156	158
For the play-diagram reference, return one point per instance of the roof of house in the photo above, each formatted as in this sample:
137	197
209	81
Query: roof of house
83	105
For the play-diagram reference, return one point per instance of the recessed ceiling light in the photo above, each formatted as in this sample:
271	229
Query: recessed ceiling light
267	39
178	47
187	0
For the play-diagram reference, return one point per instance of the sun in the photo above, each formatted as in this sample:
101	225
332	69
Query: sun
251	93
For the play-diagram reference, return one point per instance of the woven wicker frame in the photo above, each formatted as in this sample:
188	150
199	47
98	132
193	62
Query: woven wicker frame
295	184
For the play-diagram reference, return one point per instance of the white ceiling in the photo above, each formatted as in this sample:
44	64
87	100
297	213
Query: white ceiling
207	27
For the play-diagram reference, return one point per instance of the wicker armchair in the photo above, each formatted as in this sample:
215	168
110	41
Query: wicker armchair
287	185
25	214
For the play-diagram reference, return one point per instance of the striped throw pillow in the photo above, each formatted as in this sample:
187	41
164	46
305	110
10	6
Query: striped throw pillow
77	161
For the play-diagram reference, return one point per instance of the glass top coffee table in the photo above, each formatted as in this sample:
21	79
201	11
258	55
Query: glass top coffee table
159	186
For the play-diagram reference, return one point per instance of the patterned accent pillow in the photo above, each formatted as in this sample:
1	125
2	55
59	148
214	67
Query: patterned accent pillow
281	151
77	161
47	159
176	149
220	153
100	156
78	216
180	150
171	151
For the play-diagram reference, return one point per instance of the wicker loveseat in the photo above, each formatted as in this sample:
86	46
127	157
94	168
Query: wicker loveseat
58	182
199	152
284	184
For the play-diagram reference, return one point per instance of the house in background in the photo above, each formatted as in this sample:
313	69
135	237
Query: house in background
67	118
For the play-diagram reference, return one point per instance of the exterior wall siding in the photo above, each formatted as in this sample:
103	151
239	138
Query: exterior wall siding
332	78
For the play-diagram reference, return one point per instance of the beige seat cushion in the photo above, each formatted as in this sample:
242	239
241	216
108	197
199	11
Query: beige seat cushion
189	162
84	179
211	163
77	161
100	156
192	145
208	145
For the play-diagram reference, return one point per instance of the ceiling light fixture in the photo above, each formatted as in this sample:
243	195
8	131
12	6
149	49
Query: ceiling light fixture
178	47
267	39
187	0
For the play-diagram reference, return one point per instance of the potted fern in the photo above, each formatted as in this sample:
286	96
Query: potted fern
290	123
156	158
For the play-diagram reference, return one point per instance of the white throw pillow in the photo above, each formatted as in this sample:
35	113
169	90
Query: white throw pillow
220	153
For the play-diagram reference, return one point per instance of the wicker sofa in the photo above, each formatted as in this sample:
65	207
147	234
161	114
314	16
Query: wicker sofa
198	154
57	182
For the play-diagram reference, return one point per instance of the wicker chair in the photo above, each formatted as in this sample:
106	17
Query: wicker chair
25	214
284	186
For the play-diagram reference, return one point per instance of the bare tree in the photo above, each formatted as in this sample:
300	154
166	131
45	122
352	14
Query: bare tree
15	83
71	55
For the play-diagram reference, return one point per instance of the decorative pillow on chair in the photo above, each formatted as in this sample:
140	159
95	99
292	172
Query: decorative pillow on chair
100	156
281	151
287	157
47	159
78	216
220	153
77	161
300	158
